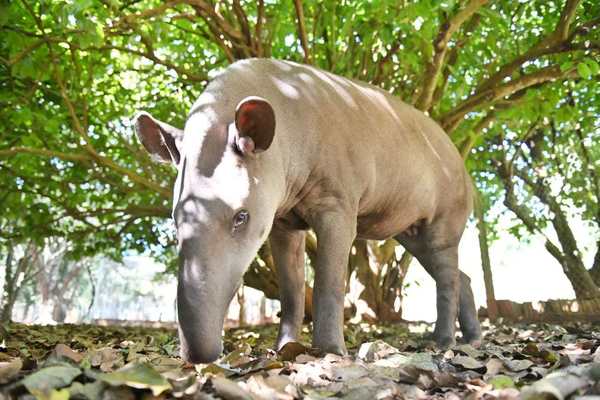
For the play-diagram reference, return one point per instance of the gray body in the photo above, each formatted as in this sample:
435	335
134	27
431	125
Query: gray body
346	159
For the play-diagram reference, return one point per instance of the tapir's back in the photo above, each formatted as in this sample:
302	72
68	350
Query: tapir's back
382	150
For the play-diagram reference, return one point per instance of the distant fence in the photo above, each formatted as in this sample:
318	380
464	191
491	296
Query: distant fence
548	311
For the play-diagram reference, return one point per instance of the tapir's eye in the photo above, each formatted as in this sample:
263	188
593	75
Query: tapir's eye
240	219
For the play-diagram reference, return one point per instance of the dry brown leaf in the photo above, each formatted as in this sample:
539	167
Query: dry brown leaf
10	369
291	350
62	350
467	362
228	389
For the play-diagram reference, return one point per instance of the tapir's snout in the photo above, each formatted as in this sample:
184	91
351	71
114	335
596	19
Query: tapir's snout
203	350
202	302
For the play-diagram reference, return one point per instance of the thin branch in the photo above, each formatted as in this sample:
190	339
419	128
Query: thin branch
440	46
302	30
451	119
46	153
207	11
150	55
105	161
485	122
549	44
147	13
452	58
23	53
243	21
258	27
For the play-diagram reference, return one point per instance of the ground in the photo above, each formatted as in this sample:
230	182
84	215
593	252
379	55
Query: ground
385	362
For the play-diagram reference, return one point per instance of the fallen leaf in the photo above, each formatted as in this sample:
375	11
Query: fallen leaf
467	363
42	382
502	382
375	351
468	350
64	351
90	391
349	372
106	358
291	350
228	389
493	366
139	376
215	369
10	369
517	365
304	358
557	384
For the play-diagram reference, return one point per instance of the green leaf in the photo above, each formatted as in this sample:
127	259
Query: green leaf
566	66
501	382
42	382
584	70
139	376
594	66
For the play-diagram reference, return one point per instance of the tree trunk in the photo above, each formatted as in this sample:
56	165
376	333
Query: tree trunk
579	277
595	270
16	276
568	255
8	295
486	265
382	276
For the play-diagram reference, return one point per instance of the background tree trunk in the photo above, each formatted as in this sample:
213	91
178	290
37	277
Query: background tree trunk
486	265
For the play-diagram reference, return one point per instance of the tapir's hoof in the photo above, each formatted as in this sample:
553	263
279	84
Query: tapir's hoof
335	348
445	342
285	339
472	336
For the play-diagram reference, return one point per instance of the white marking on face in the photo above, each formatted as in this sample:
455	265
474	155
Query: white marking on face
231	183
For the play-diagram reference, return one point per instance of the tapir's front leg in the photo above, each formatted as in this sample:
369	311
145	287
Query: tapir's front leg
287	247
335	234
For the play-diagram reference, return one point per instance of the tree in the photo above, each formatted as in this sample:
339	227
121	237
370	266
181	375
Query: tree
549	178
72	73
19	271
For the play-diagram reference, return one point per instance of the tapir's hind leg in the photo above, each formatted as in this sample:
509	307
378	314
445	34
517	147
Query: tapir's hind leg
442	265
467	313
454	295
287	247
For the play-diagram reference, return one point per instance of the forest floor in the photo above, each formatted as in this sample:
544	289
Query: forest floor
385	362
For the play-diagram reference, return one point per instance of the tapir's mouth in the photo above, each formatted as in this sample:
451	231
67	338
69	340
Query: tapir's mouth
200	339
199	353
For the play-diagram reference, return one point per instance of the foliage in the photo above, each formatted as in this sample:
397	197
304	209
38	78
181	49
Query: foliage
98	362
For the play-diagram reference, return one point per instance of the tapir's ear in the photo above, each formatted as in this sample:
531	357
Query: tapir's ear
255	123
160	139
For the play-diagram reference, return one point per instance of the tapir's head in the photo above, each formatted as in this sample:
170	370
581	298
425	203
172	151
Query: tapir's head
223	207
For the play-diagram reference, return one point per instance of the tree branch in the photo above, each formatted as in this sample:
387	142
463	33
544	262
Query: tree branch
147	13
451	119
243	21
46	153
440	46
550	44
258	27
469	142
302	30
105	161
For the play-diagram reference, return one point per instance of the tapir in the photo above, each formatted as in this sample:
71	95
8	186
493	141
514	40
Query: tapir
273	148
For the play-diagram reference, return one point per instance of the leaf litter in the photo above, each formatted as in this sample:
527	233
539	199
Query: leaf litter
525	361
